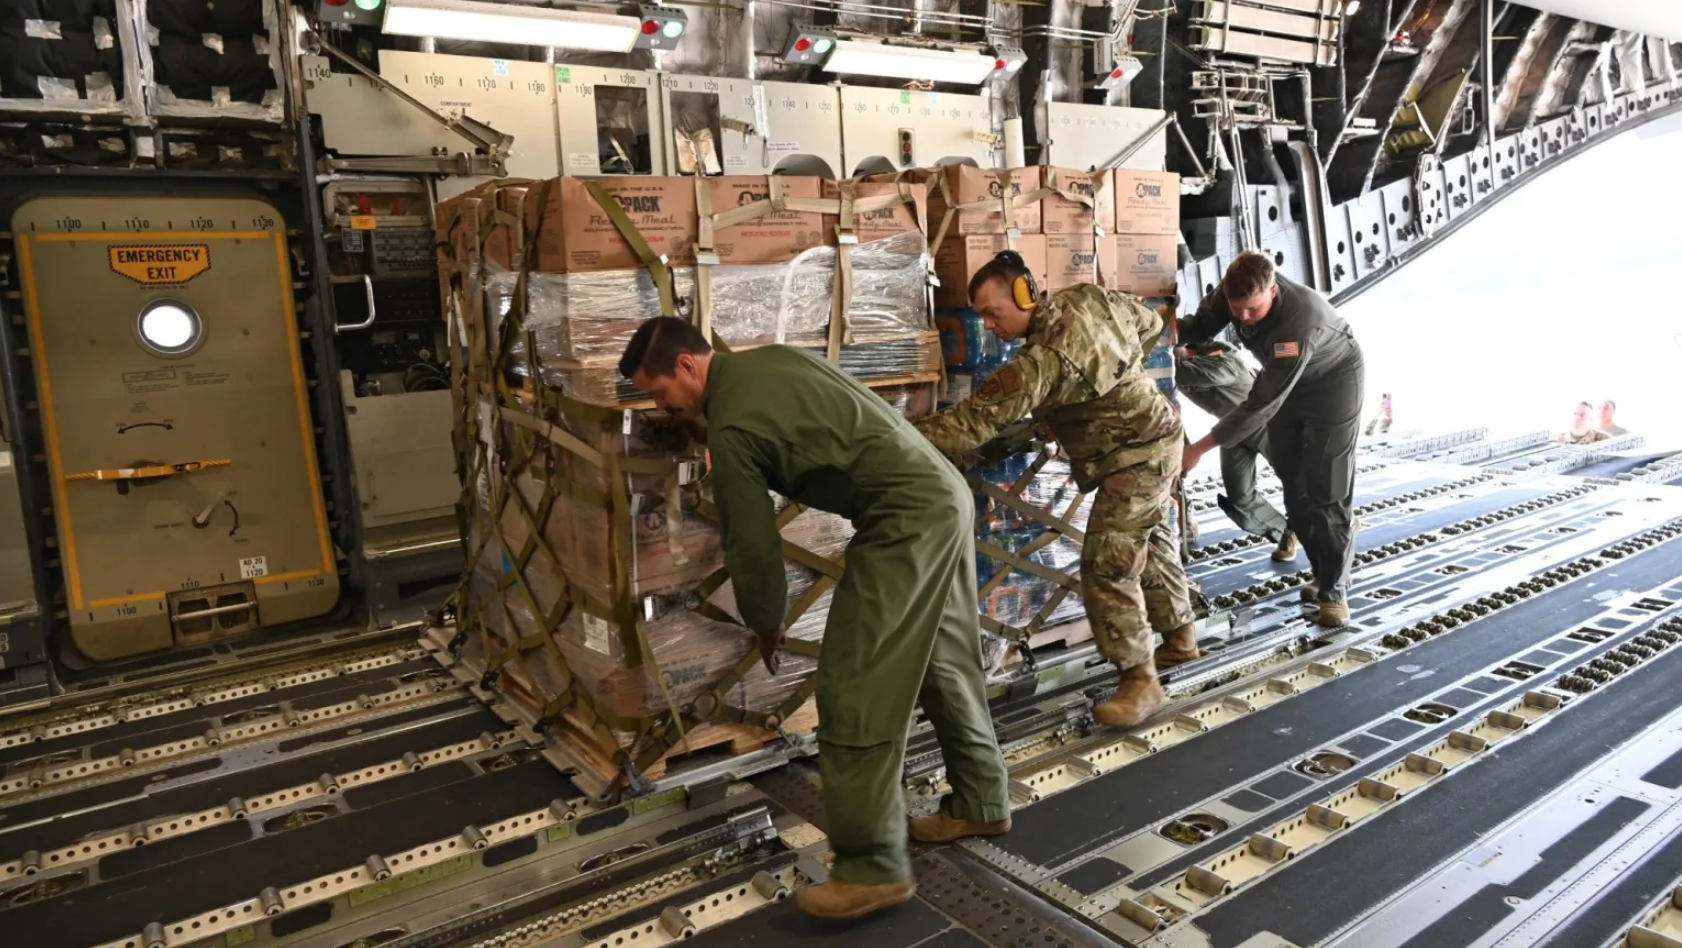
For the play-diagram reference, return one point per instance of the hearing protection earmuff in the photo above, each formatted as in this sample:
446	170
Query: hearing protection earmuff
1022	289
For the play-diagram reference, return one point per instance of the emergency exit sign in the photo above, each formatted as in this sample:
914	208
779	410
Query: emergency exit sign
160	264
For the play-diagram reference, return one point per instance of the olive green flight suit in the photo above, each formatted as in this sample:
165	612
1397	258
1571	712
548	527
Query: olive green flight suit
1218	381
1081	371
903	624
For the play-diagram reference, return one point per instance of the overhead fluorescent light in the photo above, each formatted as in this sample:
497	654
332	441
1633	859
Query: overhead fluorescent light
859	58
508	23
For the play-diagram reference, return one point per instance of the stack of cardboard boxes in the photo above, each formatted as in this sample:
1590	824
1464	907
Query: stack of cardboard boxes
765	275
1119	229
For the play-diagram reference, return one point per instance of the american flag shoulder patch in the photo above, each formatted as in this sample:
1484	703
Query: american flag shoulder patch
1286	350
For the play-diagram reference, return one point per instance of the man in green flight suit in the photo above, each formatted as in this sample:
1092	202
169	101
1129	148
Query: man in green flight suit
1214	378
903	625
1082	372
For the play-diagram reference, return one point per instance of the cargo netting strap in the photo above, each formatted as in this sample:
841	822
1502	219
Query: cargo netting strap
511	451
1098	182
497	459
1006	204
845	208
656	264
1058	526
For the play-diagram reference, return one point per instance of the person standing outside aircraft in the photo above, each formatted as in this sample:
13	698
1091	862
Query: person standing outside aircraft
1608	420
1308	397
1215	379
1081	371
903	625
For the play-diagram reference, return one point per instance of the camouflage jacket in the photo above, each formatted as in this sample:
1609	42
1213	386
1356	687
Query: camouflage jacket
1081	372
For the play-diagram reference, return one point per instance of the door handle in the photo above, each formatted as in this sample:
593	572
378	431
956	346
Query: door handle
367	286
146	471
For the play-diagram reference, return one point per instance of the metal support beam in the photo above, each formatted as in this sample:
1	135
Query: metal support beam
1486	63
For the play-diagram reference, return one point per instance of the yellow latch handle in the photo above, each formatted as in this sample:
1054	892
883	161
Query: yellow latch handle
151	470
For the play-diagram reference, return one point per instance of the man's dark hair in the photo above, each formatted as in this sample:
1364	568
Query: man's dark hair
657	343
1004	267
1587	405
1249	274
1610	404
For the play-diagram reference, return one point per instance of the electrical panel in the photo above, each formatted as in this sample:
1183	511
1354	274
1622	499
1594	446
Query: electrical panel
1091	136
950	129
609	121
746	127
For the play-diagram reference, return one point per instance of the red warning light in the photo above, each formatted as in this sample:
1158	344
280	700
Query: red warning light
336	3
649	27
998	64
1116	74
802	44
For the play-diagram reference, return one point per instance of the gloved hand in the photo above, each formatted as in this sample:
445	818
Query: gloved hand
768	645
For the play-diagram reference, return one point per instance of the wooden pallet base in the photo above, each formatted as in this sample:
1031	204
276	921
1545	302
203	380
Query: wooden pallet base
731	739
1066	634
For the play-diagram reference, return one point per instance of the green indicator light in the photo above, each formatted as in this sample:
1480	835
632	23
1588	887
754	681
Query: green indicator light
369	4
821	46
673	28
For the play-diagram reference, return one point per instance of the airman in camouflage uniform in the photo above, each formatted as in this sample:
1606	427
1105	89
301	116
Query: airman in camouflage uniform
1081	372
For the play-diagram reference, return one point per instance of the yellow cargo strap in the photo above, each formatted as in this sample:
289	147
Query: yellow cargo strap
1006	205
1091	204
622	222
147	470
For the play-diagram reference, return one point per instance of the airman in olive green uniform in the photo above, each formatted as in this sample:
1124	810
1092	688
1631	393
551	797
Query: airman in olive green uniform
903	626
1081	372
1216	379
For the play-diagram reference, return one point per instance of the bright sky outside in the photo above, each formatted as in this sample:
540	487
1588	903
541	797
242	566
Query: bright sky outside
1560	293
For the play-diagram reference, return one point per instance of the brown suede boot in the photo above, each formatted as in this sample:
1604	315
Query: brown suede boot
1178	647
1334	614
1137	698
943	827
1286	551
838	899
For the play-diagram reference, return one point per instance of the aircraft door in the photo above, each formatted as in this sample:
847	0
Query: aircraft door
185	488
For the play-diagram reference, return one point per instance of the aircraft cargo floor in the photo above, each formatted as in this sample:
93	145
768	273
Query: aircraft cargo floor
1491	754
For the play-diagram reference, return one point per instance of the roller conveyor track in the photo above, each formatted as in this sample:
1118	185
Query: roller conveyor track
1082	820
435	768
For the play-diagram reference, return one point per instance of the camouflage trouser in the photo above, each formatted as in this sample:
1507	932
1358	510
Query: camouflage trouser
1130	573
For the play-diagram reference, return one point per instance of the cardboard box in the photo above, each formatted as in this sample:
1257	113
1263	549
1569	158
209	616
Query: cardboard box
1146	264
961	256
579	237
1059	215
884	222
961	184
1076	258
778	237
1147	202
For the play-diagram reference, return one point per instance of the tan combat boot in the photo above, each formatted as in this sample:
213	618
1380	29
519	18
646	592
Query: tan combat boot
1334	614
1137	698
1178	647
838	899
943	827
1286	551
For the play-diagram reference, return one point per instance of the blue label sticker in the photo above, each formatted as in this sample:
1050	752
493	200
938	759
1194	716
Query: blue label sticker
499	67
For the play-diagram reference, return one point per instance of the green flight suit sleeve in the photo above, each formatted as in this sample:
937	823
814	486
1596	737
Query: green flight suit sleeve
1267	393
1211	317
753	548
1032	378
